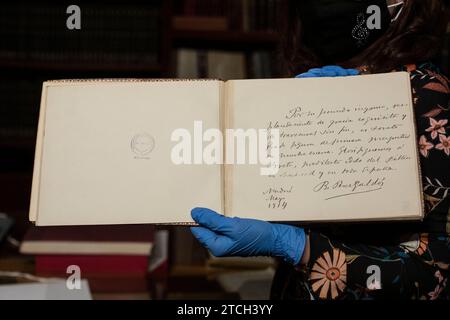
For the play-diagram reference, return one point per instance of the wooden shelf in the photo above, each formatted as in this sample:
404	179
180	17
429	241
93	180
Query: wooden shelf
79	67
225	38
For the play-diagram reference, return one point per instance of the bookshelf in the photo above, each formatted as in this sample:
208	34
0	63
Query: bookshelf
124	39
248	27
226	39
115	40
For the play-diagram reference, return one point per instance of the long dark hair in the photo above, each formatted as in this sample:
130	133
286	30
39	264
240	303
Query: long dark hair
416	36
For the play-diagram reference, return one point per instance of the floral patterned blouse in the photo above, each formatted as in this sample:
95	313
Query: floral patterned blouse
389	260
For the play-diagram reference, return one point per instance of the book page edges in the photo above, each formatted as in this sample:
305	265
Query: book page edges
85	248
34	201
227	168
222	111
418	170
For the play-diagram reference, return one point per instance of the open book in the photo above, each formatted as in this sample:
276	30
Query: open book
110	151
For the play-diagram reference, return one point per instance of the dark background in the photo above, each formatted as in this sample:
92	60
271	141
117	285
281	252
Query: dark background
145	39
224	39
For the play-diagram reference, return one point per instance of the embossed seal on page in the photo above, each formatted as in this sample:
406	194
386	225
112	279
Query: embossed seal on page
142	144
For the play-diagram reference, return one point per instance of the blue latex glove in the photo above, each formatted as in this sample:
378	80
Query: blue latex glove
328	71
225	236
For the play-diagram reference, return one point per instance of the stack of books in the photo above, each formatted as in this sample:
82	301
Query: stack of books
114	259
225	65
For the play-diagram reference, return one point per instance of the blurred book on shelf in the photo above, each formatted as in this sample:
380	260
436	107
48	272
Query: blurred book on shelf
56	264
212	64
114	259
261	65
89	240
225	65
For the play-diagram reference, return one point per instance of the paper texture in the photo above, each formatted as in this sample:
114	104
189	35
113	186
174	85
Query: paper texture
348	149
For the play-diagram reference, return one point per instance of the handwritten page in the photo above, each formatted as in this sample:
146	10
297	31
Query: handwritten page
347	149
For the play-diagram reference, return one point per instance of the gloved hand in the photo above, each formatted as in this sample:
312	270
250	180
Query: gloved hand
328	71
225	236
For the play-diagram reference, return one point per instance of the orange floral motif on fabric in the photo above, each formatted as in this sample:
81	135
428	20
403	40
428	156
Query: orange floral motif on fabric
329	274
